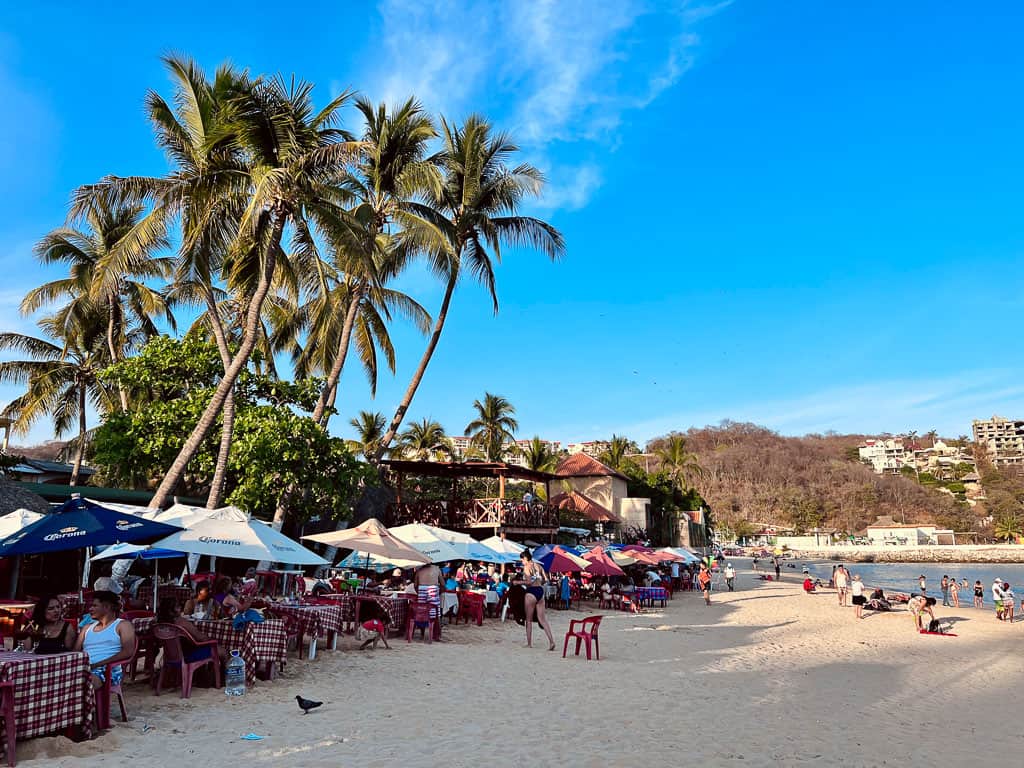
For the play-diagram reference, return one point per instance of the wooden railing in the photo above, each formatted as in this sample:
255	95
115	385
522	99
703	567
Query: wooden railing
472	513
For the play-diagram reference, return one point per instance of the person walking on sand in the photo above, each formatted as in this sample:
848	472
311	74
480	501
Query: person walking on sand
704	580
954	593
857	592
944	587
842	579
979	594
533	579
778	570
730	577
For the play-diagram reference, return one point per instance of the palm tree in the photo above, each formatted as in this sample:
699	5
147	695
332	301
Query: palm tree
280	164
493	426
618	448
423	440
369	426
539	456
465	225
1007	527
393	170
61	379
108	261
680	464
933	436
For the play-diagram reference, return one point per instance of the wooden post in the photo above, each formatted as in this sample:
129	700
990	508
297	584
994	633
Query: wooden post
398	490
501	486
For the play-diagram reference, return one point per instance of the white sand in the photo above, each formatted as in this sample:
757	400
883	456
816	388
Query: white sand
765	676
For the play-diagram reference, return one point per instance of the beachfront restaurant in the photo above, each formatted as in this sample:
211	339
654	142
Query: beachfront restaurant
447	505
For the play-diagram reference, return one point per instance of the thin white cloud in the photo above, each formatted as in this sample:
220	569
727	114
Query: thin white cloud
570	188
555	72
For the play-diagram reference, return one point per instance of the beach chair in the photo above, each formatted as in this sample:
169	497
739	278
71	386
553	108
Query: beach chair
586	633
10	726
108	690
170	637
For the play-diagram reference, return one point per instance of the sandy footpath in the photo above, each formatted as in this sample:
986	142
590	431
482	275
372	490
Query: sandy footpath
766	676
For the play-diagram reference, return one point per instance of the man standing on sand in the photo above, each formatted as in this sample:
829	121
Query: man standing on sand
730	577
842	579
944	586
778	570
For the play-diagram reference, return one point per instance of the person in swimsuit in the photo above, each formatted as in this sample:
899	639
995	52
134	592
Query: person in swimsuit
533	580
48	630
107	640
842	581
954	593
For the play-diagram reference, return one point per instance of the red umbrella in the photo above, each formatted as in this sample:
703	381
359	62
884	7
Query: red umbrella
601	564
560	562
636	548
649	558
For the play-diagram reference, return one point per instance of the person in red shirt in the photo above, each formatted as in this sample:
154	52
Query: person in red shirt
373	631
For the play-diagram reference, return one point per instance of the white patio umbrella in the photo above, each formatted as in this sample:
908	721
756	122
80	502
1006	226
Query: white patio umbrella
129	552
504	546
425	539
224	535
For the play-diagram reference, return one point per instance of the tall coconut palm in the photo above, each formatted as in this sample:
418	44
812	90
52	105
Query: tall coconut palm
393	170
369	427
61	379
423	440
494	425
678	461
464	227
109	261
280	168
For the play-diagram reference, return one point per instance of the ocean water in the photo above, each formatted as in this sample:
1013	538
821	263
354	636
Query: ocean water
902	577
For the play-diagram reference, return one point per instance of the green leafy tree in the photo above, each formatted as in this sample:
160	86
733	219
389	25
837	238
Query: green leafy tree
1008	527
494	425
464	226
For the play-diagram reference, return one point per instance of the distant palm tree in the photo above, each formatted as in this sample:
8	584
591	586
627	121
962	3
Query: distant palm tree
61	379
933	436
1007	528
539	456
369	426
618	448
680	464
109	262
423	440
463	228
493	426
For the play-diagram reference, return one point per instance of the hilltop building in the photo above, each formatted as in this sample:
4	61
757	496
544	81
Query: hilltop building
886	457
1003	439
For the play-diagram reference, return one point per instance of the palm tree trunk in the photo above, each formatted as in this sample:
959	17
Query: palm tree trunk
417	377
250	336
80	450
330	391
213	500
114	354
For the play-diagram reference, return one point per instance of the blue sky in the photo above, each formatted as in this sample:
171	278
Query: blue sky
802	214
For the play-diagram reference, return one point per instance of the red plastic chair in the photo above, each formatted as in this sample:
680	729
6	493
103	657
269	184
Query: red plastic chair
108	689
148	647
170	637
423	617
471	606
7	712
587	633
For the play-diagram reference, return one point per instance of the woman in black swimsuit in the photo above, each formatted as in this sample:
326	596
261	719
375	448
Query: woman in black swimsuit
533	580
979	595
48	629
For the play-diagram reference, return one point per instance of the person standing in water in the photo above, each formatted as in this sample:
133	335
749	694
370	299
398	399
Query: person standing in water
944	588
533	579
954	593
979	595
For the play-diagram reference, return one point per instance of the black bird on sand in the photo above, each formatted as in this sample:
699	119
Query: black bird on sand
306	704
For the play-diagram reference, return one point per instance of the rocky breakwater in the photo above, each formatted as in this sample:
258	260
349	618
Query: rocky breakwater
971	553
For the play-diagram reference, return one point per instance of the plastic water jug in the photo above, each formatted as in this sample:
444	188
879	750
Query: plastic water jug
234	675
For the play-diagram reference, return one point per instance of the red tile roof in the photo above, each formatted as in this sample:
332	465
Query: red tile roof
584	505
581	465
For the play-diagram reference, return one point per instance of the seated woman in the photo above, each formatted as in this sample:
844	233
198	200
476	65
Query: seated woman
107	640
169	613
48	630
202	606
229	604
808	585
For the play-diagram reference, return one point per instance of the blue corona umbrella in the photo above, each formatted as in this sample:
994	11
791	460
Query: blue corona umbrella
80	523
141	552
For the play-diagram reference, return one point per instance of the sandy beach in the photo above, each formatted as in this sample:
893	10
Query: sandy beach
766	676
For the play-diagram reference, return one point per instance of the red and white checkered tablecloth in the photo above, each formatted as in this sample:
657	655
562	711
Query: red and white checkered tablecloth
51	692
266	642
395	608
315	620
